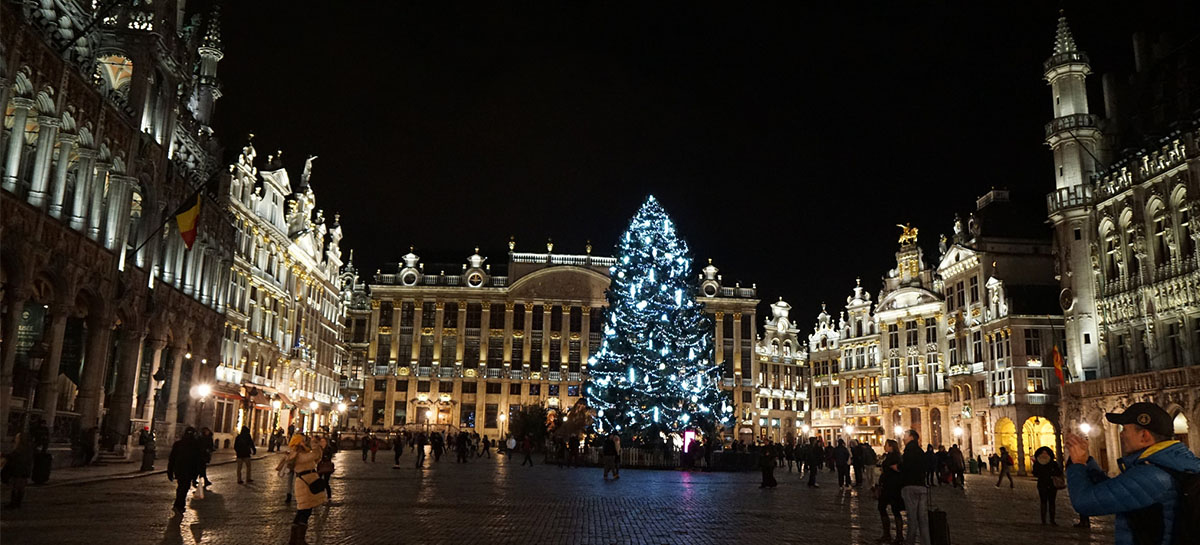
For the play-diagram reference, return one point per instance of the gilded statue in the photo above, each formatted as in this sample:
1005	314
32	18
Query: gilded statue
908	235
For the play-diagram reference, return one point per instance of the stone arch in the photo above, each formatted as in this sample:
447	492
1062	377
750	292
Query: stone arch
935	427
1037	432
1005	435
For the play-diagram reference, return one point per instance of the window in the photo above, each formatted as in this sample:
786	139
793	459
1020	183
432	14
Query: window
422	385
518	351
535	389
952	350
1174	346
471	352
489	415
1035	381
556	315
496	316
406	314
1112	248
495	352
1078	234
385	314
400	413
950	295
893	336
383	352
960	292
596	321
466	417
380	385
535	353
1162	250
977	346
474	316
428	315
553	390
573	390
930	332
518	317
450	315
910	333
425	356
377	412
470	387
576	319
446	387
538	314
514	389
974	289
914	368
1033	343
401	386
555	355
894	372
747	327
492	387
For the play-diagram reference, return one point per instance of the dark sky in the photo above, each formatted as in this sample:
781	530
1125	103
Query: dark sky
786	143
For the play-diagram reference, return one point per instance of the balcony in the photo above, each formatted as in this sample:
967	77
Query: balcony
515	375
353	384
493	372
573	377
1174	268
1070	57
381	370
1068	197
555	376
424	371
1071	122
1184	377
445	372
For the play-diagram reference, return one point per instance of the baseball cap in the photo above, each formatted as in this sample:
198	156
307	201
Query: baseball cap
1146	415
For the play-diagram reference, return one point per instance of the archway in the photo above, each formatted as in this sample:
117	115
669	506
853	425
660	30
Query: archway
1006	436
1181	428
1036	433
935	427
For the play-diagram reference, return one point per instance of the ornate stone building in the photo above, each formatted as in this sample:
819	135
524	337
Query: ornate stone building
1002	322
782	378
859	370
431	362
282	351
108	319
824	361
1127	241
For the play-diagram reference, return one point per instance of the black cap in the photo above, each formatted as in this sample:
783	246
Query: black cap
1146	415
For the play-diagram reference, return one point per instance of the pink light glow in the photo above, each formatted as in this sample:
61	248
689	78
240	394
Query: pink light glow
687	439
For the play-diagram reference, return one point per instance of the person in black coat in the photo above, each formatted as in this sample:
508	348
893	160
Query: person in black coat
841	459
766	461
244	448
890	482
1045	468
816	455
913	466
184	465
18	466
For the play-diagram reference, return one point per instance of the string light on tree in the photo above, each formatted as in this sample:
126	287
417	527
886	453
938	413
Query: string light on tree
654	371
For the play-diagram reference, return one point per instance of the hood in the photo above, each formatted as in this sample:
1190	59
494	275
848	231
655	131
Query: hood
1168	454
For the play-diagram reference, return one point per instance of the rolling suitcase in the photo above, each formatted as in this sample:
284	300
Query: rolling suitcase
939	524
41	467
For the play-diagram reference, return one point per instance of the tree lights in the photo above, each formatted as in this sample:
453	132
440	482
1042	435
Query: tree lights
654	371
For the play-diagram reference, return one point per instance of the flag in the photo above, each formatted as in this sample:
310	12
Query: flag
1058	366
187	218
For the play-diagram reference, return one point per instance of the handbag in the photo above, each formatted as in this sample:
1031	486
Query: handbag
317	486
325	467
1059	482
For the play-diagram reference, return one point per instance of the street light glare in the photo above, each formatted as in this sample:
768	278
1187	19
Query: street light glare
1085	428
341	407
313	405
899	430
203	390
958	431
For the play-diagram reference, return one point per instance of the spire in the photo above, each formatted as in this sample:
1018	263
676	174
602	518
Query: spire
212	34
1064	42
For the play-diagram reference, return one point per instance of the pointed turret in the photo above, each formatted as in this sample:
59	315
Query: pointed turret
208	88
1064	42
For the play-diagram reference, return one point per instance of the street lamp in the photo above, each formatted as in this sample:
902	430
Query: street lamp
312	416
341	407
899	431
1085	428
502	417
201	392
37	356
958	431
806	429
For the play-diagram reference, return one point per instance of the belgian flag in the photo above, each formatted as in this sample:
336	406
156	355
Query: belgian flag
1058	366
188	218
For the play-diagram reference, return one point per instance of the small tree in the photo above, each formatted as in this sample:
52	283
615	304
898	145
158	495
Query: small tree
529	420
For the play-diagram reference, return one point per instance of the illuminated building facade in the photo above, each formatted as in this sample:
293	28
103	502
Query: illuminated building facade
782	378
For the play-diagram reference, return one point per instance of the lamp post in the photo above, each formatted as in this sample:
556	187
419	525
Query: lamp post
149	448
428	415
37	356
502	417
201	392
341	407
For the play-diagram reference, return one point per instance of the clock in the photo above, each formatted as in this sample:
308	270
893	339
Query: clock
1066	299
475	279
409	278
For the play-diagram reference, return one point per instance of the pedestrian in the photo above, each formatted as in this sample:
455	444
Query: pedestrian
462	448
1006	464
1049	475
609	452
374	447
397	450
18	466
184	465
527	450
957	466
573	451
891	481
207	446
856	461
766	462
325	466
420	448
841	458
993	463
915	493
365	445
303	459
487	447
816	454
870	461
789	453
931	466
1146	497
243	448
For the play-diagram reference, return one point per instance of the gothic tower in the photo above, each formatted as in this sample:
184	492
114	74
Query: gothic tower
1073	136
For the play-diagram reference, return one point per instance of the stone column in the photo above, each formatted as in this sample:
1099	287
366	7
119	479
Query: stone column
16	297
47	394
460	323
83	188
177	267
99	187
172	415
508	338
418	310
547	311
91	382
123	405
439	311
585	338
116	211
47	132
66	143
16	142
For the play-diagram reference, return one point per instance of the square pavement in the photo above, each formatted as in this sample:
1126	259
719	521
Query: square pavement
496	501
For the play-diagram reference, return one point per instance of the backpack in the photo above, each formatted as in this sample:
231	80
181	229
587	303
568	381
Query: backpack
1187	511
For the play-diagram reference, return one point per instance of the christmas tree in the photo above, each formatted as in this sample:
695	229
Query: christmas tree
654	371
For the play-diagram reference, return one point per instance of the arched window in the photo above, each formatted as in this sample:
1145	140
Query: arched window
774	347
787	349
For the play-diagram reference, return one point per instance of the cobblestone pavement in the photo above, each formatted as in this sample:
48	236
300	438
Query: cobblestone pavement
496	501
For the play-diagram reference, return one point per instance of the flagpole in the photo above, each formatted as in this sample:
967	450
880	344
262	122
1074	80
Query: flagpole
191	199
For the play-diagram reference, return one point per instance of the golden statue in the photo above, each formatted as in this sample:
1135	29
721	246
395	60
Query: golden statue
909	236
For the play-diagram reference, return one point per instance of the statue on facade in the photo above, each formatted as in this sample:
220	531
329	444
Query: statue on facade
908	234
307	173
942	245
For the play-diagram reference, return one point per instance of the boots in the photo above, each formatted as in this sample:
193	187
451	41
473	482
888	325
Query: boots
298	531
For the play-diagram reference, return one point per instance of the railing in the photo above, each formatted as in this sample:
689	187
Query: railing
424	371
737	292
1037	399
555	375
493	372
1077	57
1122	284
1173	268
516	375
354	384
573	376
564	259
1068	122
1184	377
1069	197
445	372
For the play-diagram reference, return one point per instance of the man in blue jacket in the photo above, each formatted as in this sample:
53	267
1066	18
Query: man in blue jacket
1144	496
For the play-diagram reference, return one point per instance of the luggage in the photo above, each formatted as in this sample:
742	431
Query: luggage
939	527
41	467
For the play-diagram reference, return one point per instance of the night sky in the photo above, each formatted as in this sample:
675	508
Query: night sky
786	143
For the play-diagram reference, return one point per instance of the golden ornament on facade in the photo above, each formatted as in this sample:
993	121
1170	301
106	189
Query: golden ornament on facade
556	335
508	307
720	315
374	304
440	305
495	332
574	336
469	373
427	331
